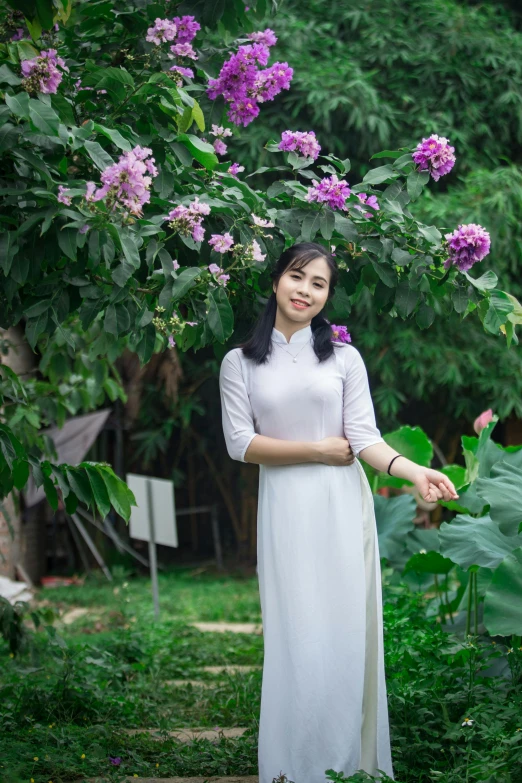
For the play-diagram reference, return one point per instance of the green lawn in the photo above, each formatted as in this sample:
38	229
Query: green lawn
72	692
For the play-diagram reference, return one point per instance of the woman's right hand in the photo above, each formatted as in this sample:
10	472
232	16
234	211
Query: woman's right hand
336	451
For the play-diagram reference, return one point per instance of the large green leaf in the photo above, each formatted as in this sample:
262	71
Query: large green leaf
503	492
220	315
475	541
503	601
185	281
100	158
380	174
43	117
394	517
200	150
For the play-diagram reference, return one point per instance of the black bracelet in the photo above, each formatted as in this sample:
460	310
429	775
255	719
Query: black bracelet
391	463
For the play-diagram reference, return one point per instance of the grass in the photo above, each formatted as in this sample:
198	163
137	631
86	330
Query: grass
65	700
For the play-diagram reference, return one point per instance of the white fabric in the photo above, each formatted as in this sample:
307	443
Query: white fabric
323	698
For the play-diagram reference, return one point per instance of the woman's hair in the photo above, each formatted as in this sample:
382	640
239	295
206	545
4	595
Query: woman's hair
259	345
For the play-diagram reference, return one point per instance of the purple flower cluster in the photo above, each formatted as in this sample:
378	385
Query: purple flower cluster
244	85
340	334
300	141
162	31
266	37
188	220
330	190
435	154
41	74
221	242
126	183
219	145
184	50
215	269
369	201
468	244
187	28
63	196
188	73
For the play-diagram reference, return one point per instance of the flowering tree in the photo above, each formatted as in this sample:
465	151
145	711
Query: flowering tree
128	224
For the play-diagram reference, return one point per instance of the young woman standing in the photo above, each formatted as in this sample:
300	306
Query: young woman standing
297	403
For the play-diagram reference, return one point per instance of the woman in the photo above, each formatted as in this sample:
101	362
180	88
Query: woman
297	403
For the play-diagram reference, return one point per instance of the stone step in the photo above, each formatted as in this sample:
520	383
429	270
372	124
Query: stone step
195	683
231	668
192	733
210	779
229	627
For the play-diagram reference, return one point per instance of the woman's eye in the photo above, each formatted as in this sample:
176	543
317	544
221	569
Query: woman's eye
297	277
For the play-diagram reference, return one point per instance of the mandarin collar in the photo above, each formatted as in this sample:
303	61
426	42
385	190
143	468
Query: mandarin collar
301	336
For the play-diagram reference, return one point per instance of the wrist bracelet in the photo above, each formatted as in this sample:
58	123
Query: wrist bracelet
393	460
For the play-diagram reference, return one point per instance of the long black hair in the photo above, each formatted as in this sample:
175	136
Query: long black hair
259	345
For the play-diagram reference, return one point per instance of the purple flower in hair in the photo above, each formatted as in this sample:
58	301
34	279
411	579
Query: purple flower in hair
340	334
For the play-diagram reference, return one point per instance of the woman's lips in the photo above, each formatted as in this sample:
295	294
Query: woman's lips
299	305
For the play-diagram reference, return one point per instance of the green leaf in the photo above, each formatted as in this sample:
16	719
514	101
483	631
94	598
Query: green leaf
35	327
478	541
185	281
425	316
405	299
485	282
499	308
129	247
345	227
8	77
117	319
18	104
67	238
51	493
502	604
20	473
431	233
220	315
99	157
43	117
198	116
502	490
120	496
387	154
415	183
310	226
115	136
327	224
80	484
8	250
378	175
401	257
145	347
99	490
200	150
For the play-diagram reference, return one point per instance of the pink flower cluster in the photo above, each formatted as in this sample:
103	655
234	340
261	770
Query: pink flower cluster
215	269
188	73
126	183
219	145
331	191
63	196
244	85
300	141
467	245
340	334
369	201
221	242
435	154
253	252
188	220
182	29
266	37
42	74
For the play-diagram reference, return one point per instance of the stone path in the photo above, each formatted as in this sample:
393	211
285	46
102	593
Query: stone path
233	627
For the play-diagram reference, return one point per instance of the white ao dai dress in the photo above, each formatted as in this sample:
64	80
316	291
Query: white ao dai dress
323	696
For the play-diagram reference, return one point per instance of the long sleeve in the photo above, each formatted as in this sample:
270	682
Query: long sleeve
237	416
358	413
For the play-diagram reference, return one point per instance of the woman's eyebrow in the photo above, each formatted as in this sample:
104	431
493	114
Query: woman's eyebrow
315	277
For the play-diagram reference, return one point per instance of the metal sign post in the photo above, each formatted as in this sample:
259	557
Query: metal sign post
153	520
152	551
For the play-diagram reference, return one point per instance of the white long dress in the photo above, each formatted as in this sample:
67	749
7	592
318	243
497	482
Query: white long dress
323	697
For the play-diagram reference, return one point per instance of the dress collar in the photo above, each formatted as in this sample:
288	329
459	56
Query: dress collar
301	336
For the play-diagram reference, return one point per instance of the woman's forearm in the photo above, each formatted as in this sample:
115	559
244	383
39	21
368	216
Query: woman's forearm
273	451
379	457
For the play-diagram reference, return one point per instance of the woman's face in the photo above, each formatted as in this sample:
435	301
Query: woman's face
309	284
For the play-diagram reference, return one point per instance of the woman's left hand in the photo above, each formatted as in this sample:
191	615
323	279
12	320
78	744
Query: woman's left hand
434	485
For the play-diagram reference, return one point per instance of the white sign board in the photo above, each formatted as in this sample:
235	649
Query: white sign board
163	510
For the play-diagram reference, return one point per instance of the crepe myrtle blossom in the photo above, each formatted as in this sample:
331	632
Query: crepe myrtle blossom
220	147
184	50
187	28
483	420
223	279
19	34
84	229
188	220
220	131
266	37
214	268
235	169
251	252
162	31
221	242
261	222
300	141
175	264
243	85
41	74
467	245
369	201
63	196
435	154
188	73
340	334
331	191
127	182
